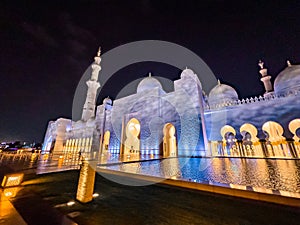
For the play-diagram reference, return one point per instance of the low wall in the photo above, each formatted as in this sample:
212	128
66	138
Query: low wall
226	189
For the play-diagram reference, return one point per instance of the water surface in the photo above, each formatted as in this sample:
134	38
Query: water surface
277	175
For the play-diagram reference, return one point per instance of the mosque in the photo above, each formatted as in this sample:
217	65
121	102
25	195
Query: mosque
186	121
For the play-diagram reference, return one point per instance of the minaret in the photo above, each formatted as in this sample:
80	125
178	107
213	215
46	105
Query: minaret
93	85
265	79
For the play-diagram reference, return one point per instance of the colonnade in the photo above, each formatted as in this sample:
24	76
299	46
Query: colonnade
274	145
74	148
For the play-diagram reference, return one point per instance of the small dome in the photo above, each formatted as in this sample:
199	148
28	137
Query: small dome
186	73
288	80
107	102
222	93
148	83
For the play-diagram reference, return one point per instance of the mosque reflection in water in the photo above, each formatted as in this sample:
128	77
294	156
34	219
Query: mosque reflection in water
265	174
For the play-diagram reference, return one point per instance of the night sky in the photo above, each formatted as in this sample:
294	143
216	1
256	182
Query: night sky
47	45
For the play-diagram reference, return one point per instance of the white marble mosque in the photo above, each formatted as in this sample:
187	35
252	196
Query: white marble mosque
185	122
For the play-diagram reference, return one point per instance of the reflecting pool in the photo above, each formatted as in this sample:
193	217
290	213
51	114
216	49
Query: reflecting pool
278	175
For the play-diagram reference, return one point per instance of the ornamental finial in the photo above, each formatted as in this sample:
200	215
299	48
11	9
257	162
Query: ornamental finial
149	74
288	63
219	82
261	64
99	51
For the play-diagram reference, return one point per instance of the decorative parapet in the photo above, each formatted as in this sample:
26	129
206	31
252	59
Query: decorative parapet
251	100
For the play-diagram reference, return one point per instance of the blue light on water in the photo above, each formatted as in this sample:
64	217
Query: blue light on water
281	175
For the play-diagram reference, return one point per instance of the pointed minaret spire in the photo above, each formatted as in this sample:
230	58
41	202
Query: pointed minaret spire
266	79
288	63
263	71
99	51
261	64
93	84
97	58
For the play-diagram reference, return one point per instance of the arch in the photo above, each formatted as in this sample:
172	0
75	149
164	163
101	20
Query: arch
274	131
294	125
251	144
229	142
225	130
276	145
106	140
169	141
132	142
251	129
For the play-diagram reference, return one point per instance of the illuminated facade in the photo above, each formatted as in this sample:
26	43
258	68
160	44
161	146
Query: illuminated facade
186	121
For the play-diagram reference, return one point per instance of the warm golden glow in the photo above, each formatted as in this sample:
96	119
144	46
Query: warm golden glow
132	142
10	192
86	182
274	130
106	140
60	161
229	142
12	180
238	186
70	203
262	189
276	143
251	129
95	195
294	125
227	129
251	145
33	157
169	141
45	156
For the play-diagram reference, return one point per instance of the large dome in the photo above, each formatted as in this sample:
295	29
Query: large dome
148	83
222	93
288	80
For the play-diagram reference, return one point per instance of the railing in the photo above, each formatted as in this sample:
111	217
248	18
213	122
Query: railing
252	100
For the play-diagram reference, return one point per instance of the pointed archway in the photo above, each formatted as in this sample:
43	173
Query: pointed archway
106	140
276	144
132	141
294	127
229	141
169	141
251	145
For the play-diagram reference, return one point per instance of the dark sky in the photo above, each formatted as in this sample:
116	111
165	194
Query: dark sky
47	45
